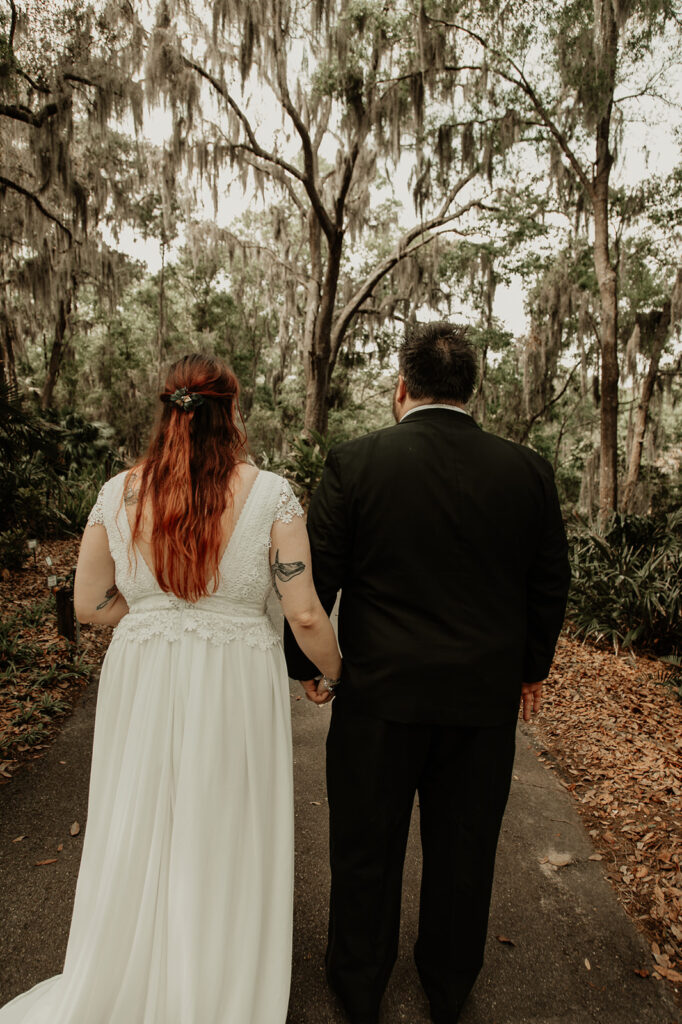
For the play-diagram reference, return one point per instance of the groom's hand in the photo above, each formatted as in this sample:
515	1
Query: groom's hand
531	696
317	696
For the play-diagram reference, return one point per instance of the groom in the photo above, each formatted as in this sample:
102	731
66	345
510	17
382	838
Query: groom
448	547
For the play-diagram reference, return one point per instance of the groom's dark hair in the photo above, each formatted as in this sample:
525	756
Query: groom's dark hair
437	362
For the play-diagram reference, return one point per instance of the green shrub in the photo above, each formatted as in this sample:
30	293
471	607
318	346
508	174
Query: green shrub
305	463
51	469
13	548
670	674
627	582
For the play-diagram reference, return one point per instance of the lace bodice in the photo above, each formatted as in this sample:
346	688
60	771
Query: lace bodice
236	611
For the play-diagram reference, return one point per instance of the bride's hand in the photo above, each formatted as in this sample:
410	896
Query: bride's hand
318	694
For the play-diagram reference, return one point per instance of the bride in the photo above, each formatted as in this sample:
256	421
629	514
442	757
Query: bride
183	909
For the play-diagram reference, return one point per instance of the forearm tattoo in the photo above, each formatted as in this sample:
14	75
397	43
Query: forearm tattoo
284	571
111	593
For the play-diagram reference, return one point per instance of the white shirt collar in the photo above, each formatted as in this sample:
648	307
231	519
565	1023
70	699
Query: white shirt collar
420	408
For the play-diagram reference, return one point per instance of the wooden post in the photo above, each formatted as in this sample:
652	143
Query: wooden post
66	616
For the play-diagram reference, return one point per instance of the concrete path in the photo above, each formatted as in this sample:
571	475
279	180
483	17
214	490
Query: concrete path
558	920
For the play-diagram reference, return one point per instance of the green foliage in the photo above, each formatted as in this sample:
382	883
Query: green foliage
50	472
13	549
627	583
14	651
305	463
670	674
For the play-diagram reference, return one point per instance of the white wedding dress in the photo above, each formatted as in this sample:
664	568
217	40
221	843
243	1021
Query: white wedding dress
183	909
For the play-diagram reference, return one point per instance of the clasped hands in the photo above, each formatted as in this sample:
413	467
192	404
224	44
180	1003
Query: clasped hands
316	692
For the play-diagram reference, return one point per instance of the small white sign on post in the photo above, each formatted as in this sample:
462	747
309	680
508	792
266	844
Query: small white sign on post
51	582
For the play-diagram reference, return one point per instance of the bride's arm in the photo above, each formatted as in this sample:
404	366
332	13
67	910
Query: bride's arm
96	597
292	579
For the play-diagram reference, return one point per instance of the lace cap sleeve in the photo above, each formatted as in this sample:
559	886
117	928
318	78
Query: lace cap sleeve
96	516
288	504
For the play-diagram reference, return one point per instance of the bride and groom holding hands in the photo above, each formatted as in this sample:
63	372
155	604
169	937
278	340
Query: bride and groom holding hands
449	551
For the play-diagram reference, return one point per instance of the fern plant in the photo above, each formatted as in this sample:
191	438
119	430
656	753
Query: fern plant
627	583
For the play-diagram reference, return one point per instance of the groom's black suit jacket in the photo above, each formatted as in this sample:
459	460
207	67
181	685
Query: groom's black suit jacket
448	545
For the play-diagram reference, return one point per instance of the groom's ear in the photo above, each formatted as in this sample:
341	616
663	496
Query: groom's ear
401	390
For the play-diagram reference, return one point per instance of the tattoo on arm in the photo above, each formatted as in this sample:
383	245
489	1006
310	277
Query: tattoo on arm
130	494
284	571
111	593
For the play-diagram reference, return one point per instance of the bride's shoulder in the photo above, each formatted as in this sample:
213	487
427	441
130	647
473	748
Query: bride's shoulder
108	499
275	482
285	503
126	482
122	488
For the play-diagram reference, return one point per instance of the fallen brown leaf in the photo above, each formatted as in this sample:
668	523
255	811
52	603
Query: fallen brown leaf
75	829
50	860
669	973
503	939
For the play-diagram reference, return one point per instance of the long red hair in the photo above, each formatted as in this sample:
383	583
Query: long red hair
186	475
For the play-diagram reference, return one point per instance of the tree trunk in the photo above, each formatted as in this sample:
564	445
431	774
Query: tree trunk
8	369
608	295
658	332
161	339
655	327
316	394
57	352
318	362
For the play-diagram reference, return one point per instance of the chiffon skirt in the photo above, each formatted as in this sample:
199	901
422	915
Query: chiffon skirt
183	909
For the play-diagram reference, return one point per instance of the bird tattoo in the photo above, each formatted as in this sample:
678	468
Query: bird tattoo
284	571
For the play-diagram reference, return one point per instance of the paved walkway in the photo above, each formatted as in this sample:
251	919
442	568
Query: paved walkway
559	921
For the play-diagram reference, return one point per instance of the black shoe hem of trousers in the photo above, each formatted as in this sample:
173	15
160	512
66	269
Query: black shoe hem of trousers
354	1016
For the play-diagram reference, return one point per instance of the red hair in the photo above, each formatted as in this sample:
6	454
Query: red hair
186	475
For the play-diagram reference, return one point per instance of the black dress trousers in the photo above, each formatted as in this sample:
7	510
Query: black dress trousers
374	768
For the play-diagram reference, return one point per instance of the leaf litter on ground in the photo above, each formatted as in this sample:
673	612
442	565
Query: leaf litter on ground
614	735
42	675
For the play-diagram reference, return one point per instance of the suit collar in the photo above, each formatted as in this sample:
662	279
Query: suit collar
459	419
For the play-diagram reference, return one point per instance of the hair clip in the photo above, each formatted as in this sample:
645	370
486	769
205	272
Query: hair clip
186	400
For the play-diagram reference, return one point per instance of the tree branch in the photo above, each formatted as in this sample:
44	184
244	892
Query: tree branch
307	179
273	171
13	25
349	167
18	112
71	76
33	198
404	248
254	146
309	153
548	405
522	83
266	250
34	85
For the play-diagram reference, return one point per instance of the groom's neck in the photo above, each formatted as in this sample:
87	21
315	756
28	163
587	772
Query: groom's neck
410	403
